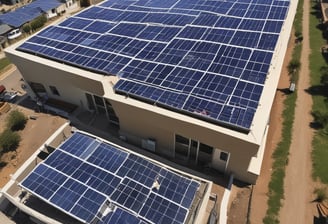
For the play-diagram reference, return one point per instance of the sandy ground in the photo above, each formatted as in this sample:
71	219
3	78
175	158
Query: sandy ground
33	136
299	185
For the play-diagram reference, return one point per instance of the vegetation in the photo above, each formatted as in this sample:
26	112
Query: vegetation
293	68
9	140
38	22
4	62
16	120
27	28
280	155
319	92
298	36
321	194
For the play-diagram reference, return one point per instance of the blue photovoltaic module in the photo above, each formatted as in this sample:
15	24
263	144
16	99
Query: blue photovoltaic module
208	59
84	175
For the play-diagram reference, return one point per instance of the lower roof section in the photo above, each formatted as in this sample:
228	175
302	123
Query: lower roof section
95	181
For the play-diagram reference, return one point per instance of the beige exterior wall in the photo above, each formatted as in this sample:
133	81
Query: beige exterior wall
137	123
70	86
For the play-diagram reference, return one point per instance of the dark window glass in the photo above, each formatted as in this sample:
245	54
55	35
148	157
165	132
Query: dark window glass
91	104
224	156
37	87
205	148
182	140
99	101
54	90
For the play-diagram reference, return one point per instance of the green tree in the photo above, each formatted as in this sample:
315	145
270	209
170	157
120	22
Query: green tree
320	118
16	120
324	75
9	140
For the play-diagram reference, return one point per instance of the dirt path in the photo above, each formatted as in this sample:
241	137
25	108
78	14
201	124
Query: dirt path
259	199
298	184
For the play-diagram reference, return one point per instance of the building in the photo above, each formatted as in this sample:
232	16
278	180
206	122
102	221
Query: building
189	80
76	177
10	2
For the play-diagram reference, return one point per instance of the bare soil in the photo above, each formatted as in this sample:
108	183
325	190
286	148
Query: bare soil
298	206
35	133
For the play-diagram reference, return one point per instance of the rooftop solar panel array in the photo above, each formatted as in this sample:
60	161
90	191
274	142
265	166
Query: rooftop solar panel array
208	59
85	177
28	12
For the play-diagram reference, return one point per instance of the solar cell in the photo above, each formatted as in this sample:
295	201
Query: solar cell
238	9
131	195
119	216
160	210
107	157
157	47
84	177
76	23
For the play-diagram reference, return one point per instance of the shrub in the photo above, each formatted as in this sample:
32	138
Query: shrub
16	120
9	140
27	28
321	194
321	118
293	66
38	22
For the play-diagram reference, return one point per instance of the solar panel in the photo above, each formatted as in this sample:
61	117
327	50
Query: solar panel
92	180
157	48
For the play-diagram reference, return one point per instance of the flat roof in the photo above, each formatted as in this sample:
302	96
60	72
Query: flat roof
206	59
95	181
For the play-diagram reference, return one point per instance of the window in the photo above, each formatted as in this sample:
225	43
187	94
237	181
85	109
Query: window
54	90
182	140
206	148
99	101
181	147
37	87
91	104
224	156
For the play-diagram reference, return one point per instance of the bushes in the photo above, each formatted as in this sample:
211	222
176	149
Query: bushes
9	140
321	194
27	28
16	120
38	22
